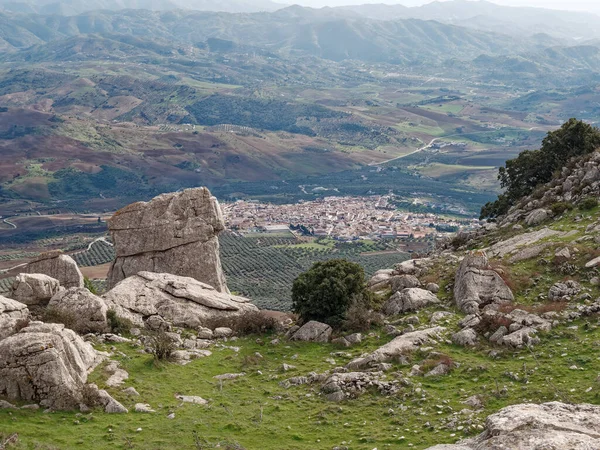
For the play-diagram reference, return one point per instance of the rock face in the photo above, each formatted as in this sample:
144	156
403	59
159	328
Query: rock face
173	233
11	312
180	301
47	364
313	331
549	426
476	285
88	310
411	299
34	289
58	266
396	347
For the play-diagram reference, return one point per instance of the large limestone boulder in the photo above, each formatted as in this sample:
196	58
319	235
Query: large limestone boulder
88	311
400	282
173	233
34	289
58	266
549	426
411	299
398	346
476	285
181	301
47	364
536	217
11	312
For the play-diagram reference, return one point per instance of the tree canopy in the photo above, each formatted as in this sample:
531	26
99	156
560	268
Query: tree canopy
326	291
532	168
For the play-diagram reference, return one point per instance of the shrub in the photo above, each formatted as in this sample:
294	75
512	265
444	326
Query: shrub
118	325
55	315
161	345
257	322
588	203
87	283
360	317
560	207
325	292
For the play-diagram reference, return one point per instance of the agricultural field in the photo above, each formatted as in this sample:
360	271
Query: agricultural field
263	267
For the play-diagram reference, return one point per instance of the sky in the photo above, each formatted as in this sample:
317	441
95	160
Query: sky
580	5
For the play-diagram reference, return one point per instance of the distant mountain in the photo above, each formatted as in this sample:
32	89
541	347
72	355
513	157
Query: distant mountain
292	30
75	7
483	15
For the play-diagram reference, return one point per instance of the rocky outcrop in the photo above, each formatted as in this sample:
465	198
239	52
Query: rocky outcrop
34	289
520	241
397	347
173	233
476	285
411	299
88	311
549	426
180	301
400	282
564	291
537	216
59	266
11	312
47	364
313	331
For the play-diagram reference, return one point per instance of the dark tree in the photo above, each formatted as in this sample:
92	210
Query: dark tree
326	291
532	168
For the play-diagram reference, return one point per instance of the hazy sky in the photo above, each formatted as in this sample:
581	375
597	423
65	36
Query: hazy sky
582	5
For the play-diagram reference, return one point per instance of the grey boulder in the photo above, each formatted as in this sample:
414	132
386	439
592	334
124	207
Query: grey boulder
88	311
180	301
313	331
34	289
57	265
11	312
173	233
476	285
411	299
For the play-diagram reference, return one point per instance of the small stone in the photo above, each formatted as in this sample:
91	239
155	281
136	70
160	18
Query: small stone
143	408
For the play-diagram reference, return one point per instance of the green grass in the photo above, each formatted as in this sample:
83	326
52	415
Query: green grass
256	412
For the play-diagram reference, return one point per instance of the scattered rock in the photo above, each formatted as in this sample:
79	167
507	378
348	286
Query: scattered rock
59	266
118	375
536	217
476	285
354	338
562	255
143	408
439	370
401	282
593	263
439	315
6	405
313	331
467	337
229	376
131	391
341	341
398	346
411	299
173	233
34	289
222	332
192	399
180	301
567	289
87	309
205	333
432	287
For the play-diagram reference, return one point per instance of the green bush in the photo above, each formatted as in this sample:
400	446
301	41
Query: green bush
118	325
560	207
87	283
588	203
326	291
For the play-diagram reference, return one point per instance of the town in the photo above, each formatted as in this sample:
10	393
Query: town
342	218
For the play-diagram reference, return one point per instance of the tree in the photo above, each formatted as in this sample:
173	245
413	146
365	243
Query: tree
326	291
532	168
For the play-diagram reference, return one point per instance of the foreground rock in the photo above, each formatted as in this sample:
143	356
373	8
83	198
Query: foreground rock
411	299
59	266
34	289
11	313
549	426
173	233
85	311
47	364
313	331
476	285
397	347
180	301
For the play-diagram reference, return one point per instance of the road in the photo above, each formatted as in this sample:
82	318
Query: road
6	221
